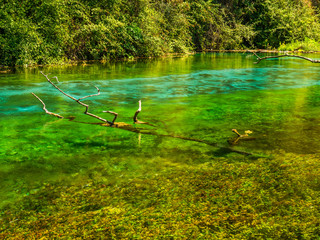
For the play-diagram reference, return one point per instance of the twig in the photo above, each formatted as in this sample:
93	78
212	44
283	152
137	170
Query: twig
56	78
259	59
45	109
97	94
115	116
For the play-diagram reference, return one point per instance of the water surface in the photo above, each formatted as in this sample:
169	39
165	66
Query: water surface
202	96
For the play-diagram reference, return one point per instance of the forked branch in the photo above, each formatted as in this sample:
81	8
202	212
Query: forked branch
79	100
259	59
125	126
115	116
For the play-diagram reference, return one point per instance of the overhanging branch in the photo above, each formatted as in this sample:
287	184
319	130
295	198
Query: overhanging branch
259	59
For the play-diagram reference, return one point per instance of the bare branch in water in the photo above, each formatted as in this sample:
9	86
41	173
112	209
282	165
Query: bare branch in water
135	117
55	78
125	126
45	109
115	116
259	59
78	100
97	94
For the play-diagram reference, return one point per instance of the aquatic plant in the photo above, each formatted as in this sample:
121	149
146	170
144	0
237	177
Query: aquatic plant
267	198
68	180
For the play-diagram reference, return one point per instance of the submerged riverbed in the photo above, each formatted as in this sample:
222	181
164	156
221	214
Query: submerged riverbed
203	96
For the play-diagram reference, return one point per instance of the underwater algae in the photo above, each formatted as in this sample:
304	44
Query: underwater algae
73	180
214	200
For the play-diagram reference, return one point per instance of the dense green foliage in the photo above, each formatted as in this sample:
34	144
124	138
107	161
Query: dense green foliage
306	45
256	199
46	32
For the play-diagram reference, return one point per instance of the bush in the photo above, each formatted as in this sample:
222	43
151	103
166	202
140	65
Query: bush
306	45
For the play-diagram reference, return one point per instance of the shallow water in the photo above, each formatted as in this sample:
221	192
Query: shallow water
202	96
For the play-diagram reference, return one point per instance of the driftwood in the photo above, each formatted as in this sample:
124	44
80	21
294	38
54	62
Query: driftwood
126	126
259	59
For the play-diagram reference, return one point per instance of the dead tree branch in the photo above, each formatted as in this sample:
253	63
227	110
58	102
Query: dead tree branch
135	117
97	94
115	115
45	109
79	100
125	126
259	59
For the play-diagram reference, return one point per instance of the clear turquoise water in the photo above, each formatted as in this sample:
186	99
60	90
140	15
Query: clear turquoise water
202	96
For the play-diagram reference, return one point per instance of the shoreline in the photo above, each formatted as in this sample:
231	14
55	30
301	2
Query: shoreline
8	69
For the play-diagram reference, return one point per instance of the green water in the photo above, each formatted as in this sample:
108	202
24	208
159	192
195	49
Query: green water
202	96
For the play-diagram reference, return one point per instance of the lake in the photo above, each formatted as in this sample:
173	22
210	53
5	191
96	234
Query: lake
202	96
